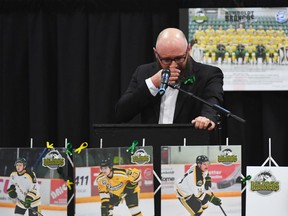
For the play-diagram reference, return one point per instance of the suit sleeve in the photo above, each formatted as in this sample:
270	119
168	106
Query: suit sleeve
136	97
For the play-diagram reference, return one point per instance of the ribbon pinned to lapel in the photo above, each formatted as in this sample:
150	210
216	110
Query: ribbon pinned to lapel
190	80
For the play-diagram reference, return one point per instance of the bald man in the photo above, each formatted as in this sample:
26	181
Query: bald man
142	96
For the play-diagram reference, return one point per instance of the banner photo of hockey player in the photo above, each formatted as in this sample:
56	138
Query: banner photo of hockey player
201	180
32	181
114	181
266	191
250	45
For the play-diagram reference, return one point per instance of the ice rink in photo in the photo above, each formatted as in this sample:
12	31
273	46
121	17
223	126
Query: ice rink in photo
93	209
231	206
10	211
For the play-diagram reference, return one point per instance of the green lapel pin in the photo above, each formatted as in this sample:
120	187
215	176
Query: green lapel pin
190	80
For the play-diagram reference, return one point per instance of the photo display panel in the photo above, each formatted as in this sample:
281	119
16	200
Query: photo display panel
250	45
35	178
114	178
196	178
266	191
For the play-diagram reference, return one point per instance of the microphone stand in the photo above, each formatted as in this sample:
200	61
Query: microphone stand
220	110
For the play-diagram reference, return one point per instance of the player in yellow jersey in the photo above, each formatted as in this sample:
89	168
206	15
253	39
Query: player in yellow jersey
220	31
250	30
199	33
260	31
280	31
210	51
241	30
271	54
231	52
224	39
250	53
235	40
210	31
115	185
230	30
246	39
265	39
270	31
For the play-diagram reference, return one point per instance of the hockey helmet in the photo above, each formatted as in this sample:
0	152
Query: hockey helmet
21	160
201	158
106	163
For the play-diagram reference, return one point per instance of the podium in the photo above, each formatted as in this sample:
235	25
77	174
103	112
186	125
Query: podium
156	135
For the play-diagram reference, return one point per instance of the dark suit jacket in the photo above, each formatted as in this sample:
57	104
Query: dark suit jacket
208	85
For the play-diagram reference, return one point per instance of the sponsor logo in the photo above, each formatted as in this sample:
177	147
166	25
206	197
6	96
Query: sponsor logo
264	183
114	188
227	157
199	17
140	157
53	160
281	16
59	191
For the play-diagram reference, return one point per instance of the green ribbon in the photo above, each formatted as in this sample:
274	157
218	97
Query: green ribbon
190	80
69	149
132	147
246	178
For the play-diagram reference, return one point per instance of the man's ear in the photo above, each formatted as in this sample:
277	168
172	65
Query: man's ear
189	47
155	51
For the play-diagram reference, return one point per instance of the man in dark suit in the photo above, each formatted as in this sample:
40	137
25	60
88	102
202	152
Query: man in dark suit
142	95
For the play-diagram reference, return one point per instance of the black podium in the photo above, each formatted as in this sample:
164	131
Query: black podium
122	135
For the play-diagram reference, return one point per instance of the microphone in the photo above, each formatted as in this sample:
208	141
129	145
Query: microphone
164	81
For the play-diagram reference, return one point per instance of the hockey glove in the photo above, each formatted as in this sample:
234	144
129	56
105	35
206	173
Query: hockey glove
27	202
130	187
215	200
106	209
208	183
12	192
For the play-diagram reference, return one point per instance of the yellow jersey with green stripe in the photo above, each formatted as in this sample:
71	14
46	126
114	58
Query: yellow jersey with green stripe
117	183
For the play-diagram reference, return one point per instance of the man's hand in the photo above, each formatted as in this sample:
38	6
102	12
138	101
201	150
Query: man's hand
27	202
203	123
174	75
12	192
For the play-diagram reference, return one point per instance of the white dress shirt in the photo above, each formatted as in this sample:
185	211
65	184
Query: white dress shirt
168	102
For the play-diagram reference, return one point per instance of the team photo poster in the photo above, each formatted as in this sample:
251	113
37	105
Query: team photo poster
250	45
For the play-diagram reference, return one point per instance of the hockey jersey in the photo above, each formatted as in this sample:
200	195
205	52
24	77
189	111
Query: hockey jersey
117	183
26	185
192	183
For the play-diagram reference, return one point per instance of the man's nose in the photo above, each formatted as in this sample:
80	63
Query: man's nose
173	64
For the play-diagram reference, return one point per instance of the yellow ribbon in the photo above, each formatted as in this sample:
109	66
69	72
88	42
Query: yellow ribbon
83	146
69	184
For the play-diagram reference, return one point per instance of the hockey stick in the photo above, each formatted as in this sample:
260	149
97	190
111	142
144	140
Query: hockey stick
35	211
219	205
